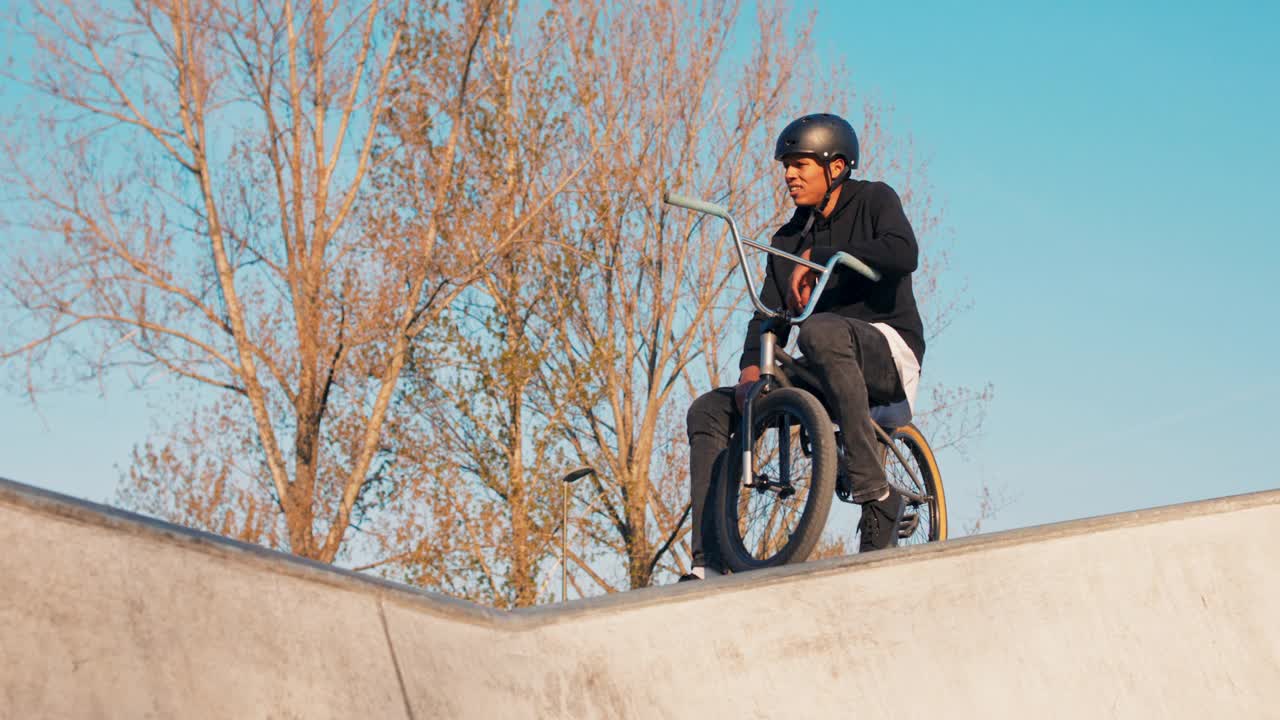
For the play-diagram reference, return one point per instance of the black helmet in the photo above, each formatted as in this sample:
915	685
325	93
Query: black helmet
823	135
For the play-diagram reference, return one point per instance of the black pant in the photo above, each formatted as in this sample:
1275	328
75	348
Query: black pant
855	370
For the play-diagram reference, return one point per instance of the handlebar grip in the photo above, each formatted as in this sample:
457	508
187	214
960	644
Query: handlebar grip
857	266
696	205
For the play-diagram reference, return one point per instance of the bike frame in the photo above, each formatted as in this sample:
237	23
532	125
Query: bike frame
768	348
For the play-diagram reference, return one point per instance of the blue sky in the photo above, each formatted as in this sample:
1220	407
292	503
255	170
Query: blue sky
1109	173
1109	177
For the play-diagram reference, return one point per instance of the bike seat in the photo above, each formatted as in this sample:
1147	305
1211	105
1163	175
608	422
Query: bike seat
891	416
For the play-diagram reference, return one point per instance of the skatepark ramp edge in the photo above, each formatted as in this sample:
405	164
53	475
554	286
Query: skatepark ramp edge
1168	611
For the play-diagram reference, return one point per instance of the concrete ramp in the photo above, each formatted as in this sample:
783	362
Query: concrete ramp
1165	613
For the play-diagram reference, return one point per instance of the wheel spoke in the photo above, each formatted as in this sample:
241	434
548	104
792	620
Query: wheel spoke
766	519
917	479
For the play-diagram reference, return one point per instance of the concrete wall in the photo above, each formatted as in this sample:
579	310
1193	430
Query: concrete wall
1162	613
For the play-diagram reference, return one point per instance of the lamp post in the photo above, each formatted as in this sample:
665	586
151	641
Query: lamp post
572	477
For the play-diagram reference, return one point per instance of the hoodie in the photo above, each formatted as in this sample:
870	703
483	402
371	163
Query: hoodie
868	223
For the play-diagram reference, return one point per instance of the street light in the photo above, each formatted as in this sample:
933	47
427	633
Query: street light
572	477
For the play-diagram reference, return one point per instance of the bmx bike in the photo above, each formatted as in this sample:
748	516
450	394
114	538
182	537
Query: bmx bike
773	487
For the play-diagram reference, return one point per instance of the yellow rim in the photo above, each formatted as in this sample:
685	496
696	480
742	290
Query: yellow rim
913	434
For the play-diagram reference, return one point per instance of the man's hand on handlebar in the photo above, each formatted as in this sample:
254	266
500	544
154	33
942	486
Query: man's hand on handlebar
803	279
749	375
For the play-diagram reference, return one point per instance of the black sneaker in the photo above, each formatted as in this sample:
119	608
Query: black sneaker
881	520
687	577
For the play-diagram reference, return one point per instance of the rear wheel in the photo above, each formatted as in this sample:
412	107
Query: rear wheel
913	470
779	518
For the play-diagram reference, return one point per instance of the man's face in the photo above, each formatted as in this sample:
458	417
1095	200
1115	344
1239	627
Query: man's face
806	182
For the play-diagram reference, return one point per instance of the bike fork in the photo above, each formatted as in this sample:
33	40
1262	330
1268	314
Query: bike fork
760	387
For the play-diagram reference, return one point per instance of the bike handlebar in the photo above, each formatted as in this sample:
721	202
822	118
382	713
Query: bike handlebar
840	258
856	265
701	206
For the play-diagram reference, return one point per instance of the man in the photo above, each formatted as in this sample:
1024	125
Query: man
864	343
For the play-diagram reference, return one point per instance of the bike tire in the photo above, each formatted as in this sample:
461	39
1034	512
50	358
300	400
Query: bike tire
933	513
741	550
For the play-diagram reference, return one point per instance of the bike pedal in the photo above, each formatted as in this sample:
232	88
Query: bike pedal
906	528
844	489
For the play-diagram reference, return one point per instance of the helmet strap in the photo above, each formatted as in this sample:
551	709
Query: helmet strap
831	186
831	183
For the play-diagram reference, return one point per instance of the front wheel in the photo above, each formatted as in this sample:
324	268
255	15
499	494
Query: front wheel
779	517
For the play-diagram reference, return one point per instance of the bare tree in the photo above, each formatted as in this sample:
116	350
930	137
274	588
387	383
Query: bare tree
197	183
641	320
414	262
479	469
543	351
603	334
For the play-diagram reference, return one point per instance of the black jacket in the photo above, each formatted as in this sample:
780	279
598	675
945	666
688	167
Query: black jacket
869	224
